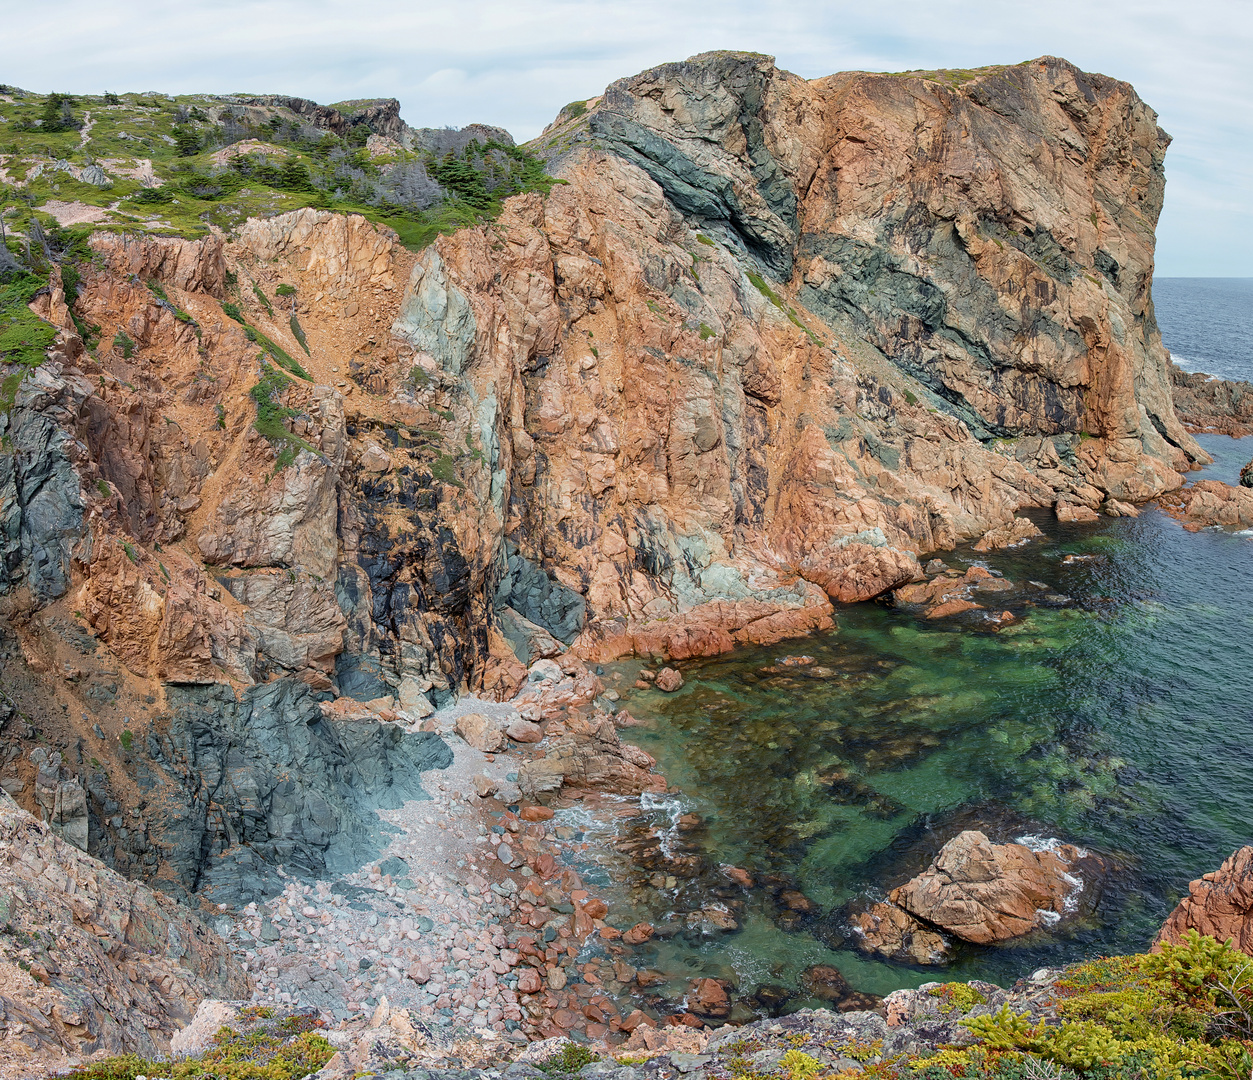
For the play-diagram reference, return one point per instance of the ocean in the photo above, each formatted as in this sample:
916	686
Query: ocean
1121	720
1207	324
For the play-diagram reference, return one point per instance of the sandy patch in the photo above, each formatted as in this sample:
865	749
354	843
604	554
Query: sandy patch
140	169
75	213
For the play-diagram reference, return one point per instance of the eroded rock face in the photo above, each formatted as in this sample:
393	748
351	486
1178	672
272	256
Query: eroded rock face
1204	403
1211	502
984	892
590	756
1219	904
889	932
112	966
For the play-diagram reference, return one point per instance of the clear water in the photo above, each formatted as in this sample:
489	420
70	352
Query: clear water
1206	324
1123	722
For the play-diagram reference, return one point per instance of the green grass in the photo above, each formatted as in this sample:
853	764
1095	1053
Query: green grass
263	299
271	414
298	333
273	1053
24	336
759	283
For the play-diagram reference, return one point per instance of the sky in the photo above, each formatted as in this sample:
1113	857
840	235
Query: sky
514	64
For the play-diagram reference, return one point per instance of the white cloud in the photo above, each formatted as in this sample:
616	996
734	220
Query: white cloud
515	64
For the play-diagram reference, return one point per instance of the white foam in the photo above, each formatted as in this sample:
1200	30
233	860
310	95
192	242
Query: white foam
1046	843
1048	918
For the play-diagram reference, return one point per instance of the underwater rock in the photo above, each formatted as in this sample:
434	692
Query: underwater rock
669	680
984	892
824	981
1219	904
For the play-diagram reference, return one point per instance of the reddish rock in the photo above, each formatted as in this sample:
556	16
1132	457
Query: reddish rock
794	900
535	813
854	572
669	680
1012	534
740	877
524	731
635	1019
1220	904
1076	512
529	981
596	908
419	972
891	933
709	998
985	892
638	934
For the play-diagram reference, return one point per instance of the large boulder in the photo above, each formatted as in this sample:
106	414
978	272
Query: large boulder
1219	904
985	892
889	932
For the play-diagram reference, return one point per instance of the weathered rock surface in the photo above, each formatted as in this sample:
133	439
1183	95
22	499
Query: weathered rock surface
1219	904
590	756
889	932
1204	403
1211	502
91	961
985	892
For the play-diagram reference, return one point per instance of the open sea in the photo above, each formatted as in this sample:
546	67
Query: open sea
1121	721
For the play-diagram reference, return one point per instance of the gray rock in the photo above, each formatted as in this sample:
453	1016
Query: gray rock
529	591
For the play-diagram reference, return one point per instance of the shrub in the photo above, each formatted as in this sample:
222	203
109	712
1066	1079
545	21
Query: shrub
127	739
24	336
298	333
264	300
232	312
270	417
707	332
123	344
285	290
152	196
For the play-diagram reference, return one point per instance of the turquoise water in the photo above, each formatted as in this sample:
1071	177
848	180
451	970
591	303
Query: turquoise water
1122	720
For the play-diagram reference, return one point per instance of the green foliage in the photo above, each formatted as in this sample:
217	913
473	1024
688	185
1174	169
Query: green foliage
219	411
131	553
707	332
444	469
285	290
271	415
911	397
703	239
262	298
957	997
568	1060
127	739
759	283
232	312
186	141
105	491
299	334
157	289
418	377
575	109
24	336
800	1066
152	196
123	344
259	1055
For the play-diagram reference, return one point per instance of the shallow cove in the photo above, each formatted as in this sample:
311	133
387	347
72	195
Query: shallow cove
1123	721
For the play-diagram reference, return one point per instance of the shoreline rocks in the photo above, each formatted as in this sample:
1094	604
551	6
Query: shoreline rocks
1219	904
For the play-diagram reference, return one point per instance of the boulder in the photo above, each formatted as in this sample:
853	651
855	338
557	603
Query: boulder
638	934
891	933
1015	532
708	997
669	680
524	731
1219	904
984	892
852	572
535	813
1075	512
590	756
479	732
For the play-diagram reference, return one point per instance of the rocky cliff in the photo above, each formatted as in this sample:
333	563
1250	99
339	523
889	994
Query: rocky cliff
764	342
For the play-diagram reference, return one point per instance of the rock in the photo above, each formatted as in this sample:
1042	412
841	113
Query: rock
638	934
1219	904
374	459
480	732
741	877
524	731
197	1037
1012	534
984	892
1211	502
1114	508
545	670
485	785
535	813
797	901
889	932
529	981
853	572
708	997
1246	475
590	757
595	908
1204	403
825	982
413	700
668	680
420	972
131	967
557	978
1075	512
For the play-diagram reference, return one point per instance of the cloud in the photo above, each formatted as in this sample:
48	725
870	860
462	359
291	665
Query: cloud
515	64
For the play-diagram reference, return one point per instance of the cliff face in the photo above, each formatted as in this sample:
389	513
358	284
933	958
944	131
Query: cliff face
768	341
